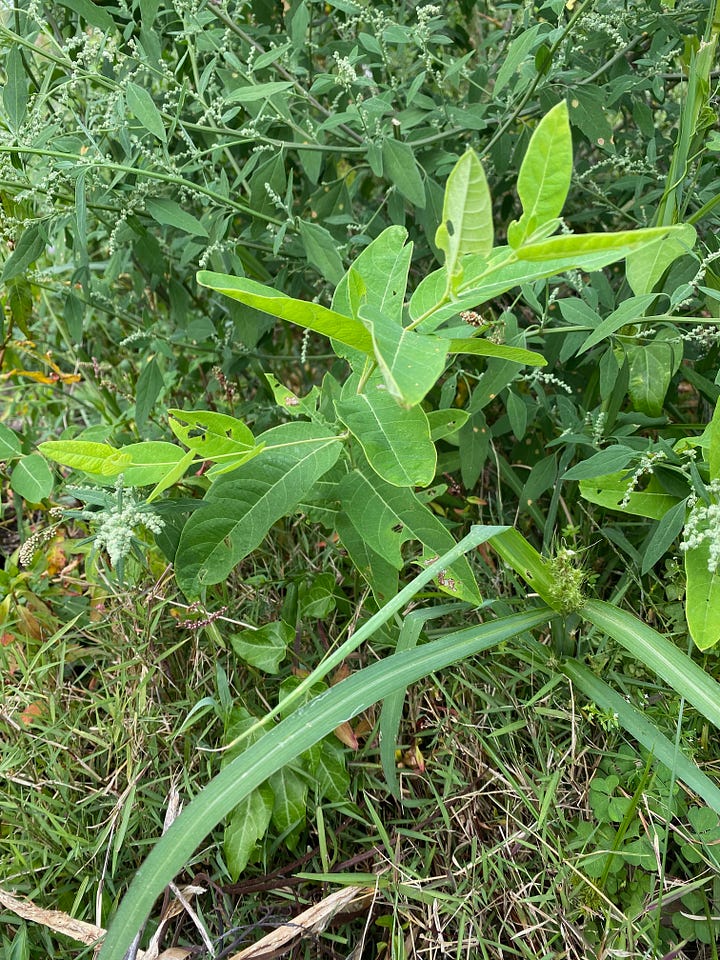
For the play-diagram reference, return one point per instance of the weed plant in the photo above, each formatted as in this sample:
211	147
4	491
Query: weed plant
506	812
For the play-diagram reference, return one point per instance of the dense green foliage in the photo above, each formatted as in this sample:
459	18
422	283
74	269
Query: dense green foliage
295	296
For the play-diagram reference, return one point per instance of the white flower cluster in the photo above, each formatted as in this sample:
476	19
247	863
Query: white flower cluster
645	468
703	525
345	71
33	544
116	528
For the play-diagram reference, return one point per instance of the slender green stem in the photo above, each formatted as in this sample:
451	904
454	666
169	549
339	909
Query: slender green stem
582	9
142	172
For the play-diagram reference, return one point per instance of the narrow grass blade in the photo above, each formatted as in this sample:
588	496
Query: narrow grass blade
658	654
644	731
391	712
291	737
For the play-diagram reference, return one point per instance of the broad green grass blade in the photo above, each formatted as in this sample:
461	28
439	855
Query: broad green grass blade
391	712
311	316
524	559
478	534
658	654
643	730
300	731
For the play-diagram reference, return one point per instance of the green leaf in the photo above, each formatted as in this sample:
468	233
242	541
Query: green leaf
383	269
628	312
317	600
395	440
29	247
467	224
484	279
266	647
579	244
387	517
173	474
32	478
290	402
246	825
15	91
171	214
402	169
149	386
241	508
311	316
545	173
639	726
446	422
658	654
290	792
517	412
380	575
95	15
410	362
713	455
588	113
150	461
85	455
281	745
212	436
19	298
646	266
10	446
652	367
258	91
664	535
250	819
518	50
330	779
484	348
611	492
610	460
702	597
142	106
321	249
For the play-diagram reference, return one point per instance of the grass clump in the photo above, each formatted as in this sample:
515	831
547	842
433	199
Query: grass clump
431	307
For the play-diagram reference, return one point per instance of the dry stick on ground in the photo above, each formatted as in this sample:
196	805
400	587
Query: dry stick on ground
309	922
